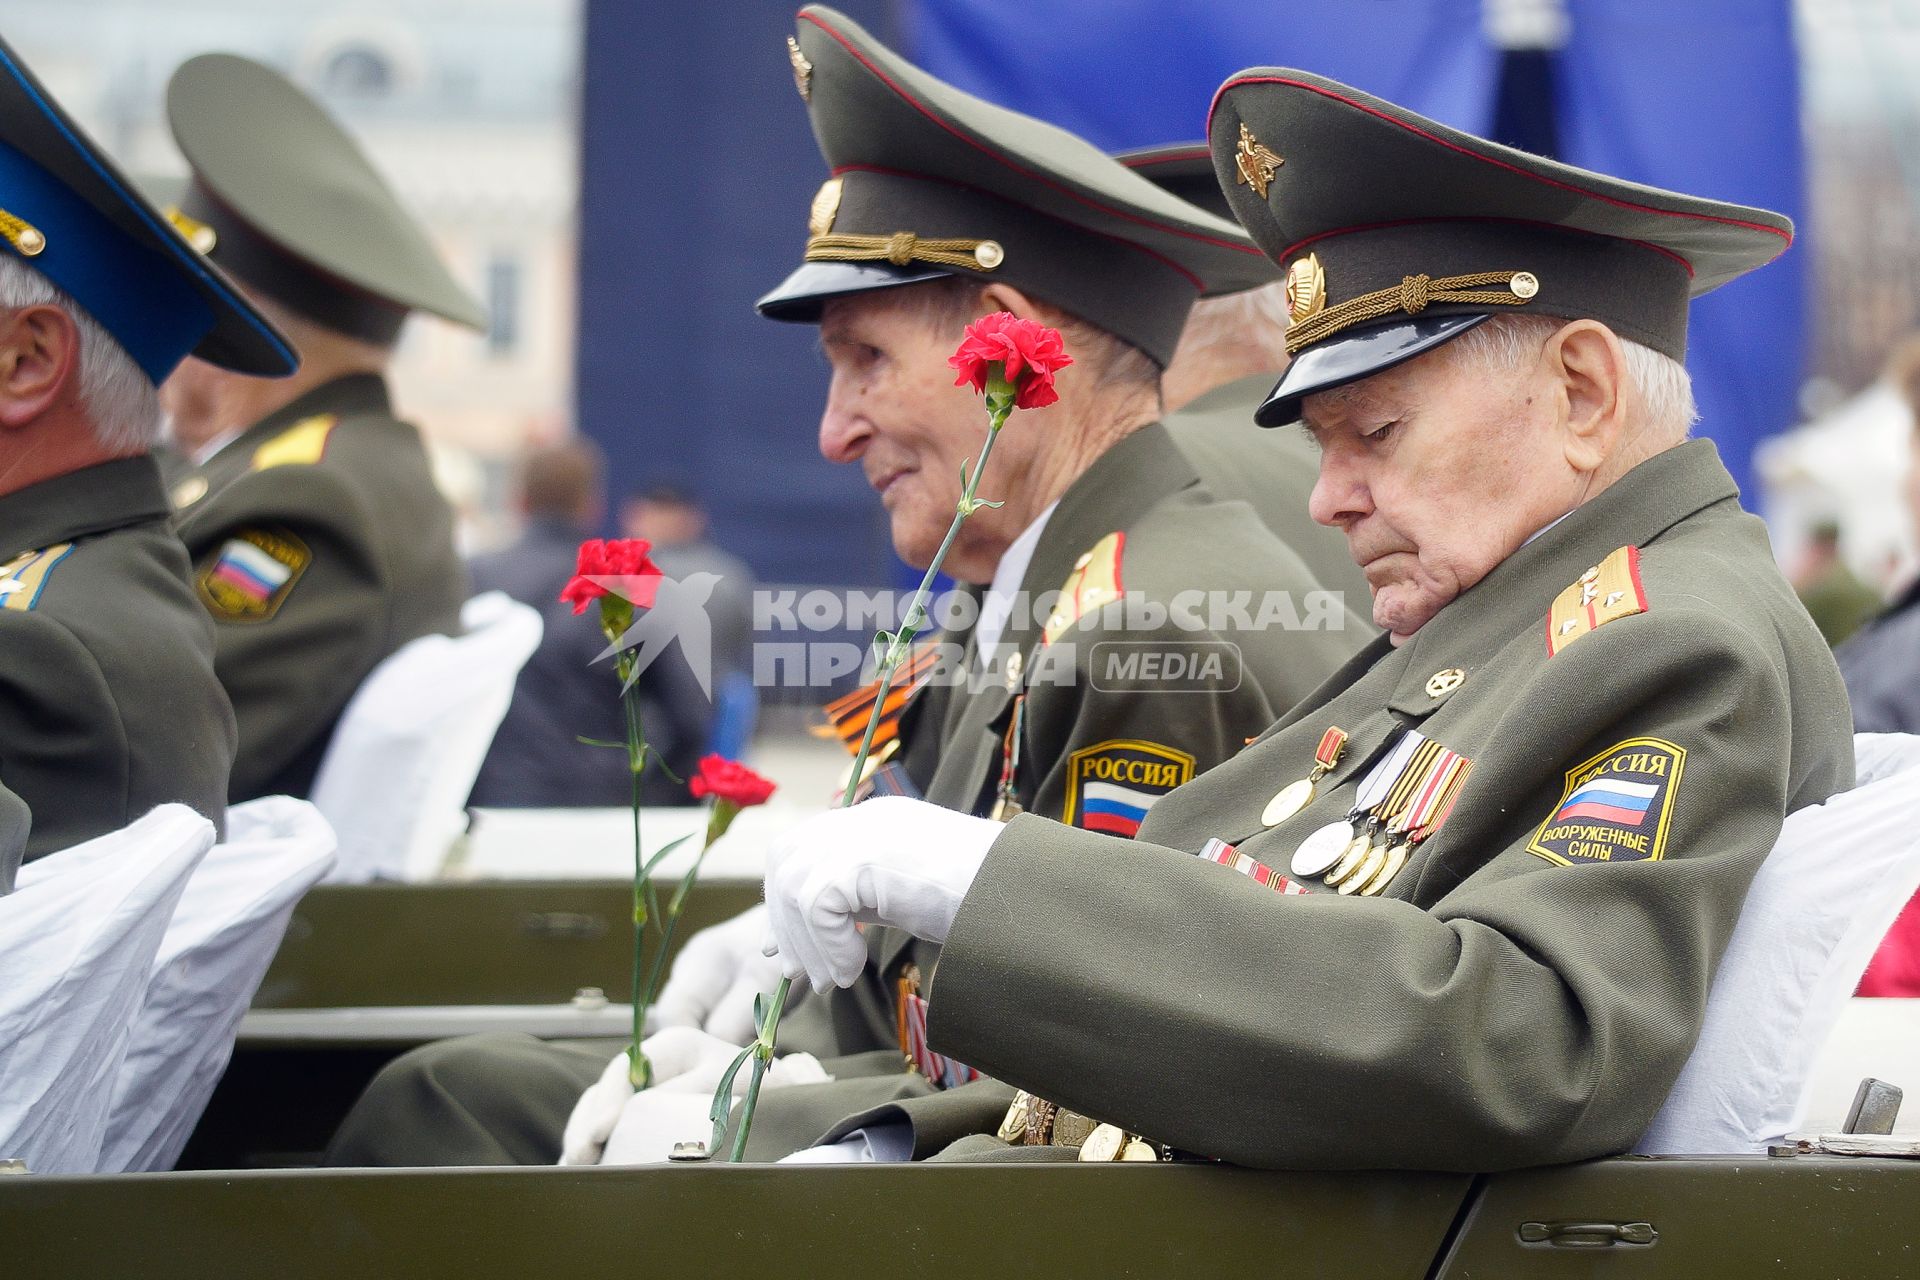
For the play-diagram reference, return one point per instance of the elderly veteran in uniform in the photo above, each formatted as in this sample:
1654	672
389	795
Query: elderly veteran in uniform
943	208
319	542
1230	353
108	700
1460	908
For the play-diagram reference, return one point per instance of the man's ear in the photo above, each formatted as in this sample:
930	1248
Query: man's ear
39	362
1004	297
1590	366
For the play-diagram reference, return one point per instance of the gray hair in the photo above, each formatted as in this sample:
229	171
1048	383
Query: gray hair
115	393
1255	318
1506	343
954	302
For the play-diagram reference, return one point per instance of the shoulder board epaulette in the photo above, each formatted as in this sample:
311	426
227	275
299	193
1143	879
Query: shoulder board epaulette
1093	584
847	715
24	577
1607	592
303	443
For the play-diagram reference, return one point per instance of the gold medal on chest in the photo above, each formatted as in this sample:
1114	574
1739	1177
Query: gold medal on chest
1296	796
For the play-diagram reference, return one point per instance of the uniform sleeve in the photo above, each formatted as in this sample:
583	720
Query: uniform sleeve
1533	1013
63	746
298	598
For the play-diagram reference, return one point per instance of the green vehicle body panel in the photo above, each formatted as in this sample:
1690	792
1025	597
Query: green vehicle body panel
474	942
1805	1216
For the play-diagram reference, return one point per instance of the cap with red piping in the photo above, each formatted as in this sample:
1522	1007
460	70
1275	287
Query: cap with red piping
927	181
1398	233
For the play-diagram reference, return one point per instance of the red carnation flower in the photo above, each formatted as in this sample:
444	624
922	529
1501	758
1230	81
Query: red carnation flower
1028	352
617	566
731	781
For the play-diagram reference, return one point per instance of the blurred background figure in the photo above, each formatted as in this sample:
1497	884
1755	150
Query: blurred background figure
565	692
672	519
1836	597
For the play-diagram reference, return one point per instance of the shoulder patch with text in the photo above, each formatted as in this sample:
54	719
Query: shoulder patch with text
253	575
1617	806
24	577
1605	593
302	444
1111	785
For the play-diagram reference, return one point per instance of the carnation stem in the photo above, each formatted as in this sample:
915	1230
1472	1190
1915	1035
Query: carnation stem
639	1070
999	405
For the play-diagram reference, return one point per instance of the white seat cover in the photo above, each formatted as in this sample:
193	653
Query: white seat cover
223	935
78	938
396	776
1838	875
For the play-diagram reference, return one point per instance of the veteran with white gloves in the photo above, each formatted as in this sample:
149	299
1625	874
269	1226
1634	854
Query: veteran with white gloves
892	860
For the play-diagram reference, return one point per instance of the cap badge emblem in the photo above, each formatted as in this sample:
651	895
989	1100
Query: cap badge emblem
826	203
1255	162
802	70
1306	288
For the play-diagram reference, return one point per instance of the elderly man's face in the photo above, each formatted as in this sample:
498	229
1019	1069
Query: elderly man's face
893	408
1437	470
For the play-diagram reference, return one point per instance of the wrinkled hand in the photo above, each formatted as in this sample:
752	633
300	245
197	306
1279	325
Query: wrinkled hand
716	977
890	860
683	1056
679	1110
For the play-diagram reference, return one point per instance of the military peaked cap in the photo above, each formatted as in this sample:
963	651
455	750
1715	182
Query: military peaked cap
1398	233
286	200
927	181
68	212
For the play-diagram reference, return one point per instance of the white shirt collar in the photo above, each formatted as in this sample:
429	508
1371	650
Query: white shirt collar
997	605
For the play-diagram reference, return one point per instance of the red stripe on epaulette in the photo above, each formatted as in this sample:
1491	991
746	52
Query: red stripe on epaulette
1041	178
1214	106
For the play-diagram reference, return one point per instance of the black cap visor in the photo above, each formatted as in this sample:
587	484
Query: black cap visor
800	296
1358	353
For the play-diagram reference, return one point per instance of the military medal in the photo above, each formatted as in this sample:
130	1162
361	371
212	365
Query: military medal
1437	798
1328	846
1296	796
1368	854
1014	1127
1322	849
1006	804
1104	1145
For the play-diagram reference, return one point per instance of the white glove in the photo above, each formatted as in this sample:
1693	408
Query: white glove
715	978
676	1055
680	1109
889	860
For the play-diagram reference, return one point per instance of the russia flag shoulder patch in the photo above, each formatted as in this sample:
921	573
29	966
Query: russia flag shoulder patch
1616	806
1111	785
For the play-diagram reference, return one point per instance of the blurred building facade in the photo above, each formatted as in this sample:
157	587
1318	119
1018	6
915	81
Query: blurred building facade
468	107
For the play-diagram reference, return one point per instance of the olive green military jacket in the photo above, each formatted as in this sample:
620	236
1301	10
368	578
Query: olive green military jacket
1088	717
1271	470
320	545
108	700
1526	989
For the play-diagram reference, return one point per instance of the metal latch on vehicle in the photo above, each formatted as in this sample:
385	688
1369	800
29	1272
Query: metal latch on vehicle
1587	1235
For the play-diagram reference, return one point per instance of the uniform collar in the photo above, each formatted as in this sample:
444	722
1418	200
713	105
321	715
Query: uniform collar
1125	481
350	395
107	495
1636	509
1001	594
